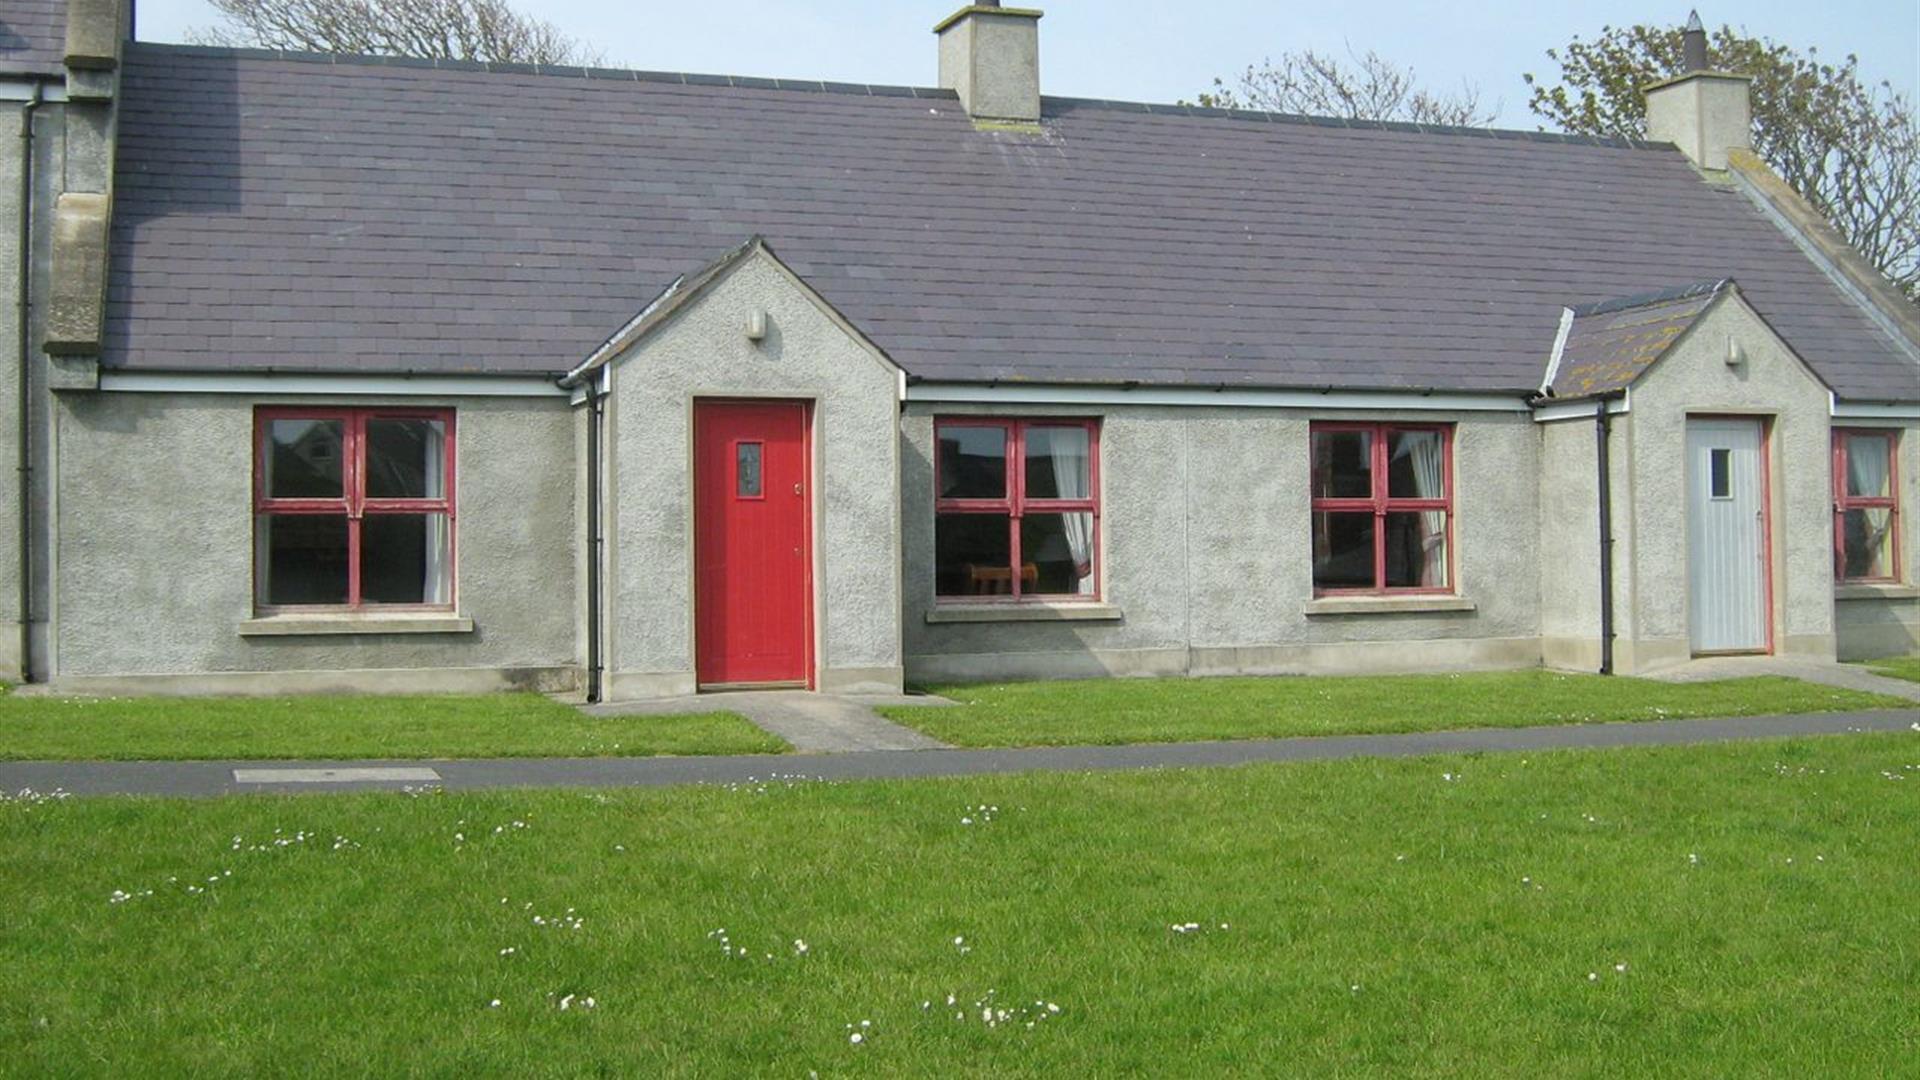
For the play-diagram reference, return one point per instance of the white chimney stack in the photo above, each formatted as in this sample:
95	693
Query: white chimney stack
1704	112
990	56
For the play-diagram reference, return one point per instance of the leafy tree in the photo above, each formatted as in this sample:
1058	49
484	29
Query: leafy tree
1365	87
1850	148
488	30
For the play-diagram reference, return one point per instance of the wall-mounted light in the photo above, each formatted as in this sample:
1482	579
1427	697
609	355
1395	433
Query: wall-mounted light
757	327
1735	354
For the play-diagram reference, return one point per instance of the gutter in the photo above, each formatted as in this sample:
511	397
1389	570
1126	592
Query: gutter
596	402
25	403
1602	431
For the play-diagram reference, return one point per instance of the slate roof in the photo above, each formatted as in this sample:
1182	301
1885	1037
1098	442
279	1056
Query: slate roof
1612	343
33	37
306	213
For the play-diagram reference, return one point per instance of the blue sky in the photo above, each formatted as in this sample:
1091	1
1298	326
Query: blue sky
1164	50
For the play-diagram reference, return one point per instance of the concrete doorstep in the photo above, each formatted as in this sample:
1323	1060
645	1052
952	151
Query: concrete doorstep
1822	672
199	778
811	723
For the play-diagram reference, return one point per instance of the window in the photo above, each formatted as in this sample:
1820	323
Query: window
1866	505
1720	474
1016	509
746	471
1382	508
353	508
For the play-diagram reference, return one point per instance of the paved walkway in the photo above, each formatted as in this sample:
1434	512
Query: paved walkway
811	723
226	777
1843	676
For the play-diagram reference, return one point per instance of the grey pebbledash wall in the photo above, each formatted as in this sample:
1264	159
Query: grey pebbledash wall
703	352
154	562
11	371
1207	563
1569	485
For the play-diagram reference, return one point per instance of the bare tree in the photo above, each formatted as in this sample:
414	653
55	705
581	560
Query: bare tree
488	30
1849	147
1363	87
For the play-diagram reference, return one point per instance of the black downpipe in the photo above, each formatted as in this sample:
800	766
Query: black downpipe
596	413
1602	425
26	390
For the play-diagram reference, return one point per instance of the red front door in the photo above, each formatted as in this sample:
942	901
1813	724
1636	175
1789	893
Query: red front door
751	557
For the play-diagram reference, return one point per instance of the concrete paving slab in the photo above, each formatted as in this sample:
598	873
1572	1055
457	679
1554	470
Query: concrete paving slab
383	774
199	778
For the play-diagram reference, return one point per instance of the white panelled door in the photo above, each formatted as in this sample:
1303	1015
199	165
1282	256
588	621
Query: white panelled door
1727	535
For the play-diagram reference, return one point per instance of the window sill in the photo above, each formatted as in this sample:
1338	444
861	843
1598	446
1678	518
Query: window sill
357	622
1386	605
1023	612
1883	591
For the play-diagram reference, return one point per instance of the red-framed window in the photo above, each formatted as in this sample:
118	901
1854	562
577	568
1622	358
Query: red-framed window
1866	505
1382	508
353	508
1016	509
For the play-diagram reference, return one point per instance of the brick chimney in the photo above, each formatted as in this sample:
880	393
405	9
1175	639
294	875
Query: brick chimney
1704	112
990	56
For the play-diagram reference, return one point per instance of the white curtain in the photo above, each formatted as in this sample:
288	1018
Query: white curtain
439	568
1430	482
1868	462
1072	479
1867	472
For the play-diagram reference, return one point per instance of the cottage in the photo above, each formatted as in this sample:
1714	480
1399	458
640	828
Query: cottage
356	373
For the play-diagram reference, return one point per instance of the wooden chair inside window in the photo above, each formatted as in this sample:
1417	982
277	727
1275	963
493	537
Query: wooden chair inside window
998	580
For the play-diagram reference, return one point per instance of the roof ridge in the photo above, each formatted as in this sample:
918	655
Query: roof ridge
1648	299
1406	127
601	74
819	86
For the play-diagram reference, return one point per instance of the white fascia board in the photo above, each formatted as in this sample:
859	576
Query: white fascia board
1559	349
1202	397
343	385
1887	410
53	89
1578	410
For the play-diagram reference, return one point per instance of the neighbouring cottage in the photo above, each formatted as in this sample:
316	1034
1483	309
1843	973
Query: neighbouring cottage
359	373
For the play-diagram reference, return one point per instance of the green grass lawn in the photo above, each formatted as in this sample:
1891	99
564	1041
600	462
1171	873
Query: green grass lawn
497	725
1898	667
1740	910
1108	711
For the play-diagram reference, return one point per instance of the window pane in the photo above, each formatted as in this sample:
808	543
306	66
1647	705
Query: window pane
303	459
1720	474
1417	550
1869	543
1343	551
973	555
1058	549
1416	465
404	559
1058	464
746	470
406	459
300	559
1869	466
1342	465
973	463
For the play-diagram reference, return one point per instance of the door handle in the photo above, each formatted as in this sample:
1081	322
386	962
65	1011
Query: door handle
796	489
